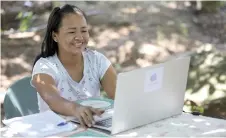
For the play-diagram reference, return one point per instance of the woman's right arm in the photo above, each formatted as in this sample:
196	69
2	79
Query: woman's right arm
46	87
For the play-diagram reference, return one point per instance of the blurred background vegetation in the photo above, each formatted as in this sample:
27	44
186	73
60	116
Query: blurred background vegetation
131	35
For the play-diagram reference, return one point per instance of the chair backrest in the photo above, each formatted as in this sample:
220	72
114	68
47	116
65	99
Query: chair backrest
20	99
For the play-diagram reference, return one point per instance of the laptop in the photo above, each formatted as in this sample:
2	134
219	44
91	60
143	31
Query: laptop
147	95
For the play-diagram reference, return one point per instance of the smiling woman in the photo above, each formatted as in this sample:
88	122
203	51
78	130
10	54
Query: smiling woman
66	71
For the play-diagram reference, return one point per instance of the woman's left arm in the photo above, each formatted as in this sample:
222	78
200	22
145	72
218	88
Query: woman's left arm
108	82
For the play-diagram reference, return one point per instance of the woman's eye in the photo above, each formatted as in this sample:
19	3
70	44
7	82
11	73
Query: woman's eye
84	31
71	32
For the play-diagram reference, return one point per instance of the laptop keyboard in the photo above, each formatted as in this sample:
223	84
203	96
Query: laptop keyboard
105	123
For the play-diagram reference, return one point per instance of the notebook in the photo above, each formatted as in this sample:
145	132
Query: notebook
40	124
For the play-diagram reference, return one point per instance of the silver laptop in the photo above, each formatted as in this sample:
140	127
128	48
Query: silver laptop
147	95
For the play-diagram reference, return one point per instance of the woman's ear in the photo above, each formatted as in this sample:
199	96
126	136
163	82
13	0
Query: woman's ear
54	36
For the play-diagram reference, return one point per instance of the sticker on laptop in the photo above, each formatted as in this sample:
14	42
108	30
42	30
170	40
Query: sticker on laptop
153	79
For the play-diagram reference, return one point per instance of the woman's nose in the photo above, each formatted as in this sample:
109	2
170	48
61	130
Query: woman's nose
78	36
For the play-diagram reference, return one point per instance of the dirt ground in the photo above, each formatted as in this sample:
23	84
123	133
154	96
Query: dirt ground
130	34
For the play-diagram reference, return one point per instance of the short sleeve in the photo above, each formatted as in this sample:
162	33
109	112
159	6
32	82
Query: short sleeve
45	67
103	64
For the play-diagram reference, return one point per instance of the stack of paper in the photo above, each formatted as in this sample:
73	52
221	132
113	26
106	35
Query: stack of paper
41	124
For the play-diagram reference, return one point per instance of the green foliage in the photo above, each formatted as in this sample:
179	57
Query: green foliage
103	94
207	70
117	66
183	29
211	6
25	20
198	109
160	33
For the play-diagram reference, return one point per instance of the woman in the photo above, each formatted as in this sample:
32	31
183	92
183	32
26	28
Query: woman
67	71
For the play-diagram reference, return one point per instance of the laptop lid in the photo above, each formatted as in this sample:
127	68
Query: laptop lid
150	94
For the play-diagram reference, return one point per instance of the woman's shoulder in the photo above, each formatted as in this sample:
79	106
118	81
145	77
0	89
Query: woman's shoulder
47	66
46	62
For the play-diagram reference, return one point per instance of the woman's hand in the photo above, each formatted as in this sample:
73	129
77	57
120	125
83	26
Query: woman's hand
85	115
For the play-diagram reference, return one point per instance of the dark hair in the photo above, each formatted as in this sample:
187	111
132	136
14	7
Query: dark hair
49	46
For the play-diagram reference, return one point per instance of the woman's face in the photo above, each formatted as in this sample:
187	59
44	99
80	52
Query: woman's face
72	36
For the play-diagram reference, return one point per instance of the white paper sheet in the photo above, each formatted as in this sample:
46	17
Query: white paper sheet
41	124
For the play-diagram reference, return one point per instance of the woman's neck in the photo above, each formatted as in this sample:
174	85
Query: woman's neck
70	60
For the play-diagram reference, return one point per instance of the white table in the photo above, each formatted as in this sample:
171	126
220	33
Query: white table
184	125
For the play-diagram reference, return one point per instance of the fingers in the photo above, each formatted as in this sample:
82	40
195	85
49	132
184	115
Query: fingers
101	111
86	120
97	111
86	116
89	115
82	123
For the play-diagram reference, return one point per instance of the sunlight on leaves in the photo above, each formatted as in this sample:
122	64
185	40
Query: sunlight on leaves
184	29
25	20
206	80
160	34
